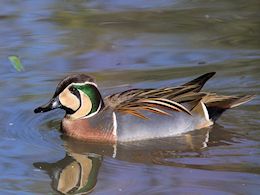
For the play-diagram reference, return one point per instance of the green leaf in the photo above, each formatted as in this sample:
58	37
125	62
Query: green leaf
15	61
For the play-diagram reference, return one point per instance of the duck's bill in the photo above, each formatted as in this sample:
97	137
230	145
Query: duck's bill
52	104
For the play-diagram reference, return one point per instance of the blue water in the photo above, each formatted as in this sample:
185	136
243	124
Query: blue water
129	44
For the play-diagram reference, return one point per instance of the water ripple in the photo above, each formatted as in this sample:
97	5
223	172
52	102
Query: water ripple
38	130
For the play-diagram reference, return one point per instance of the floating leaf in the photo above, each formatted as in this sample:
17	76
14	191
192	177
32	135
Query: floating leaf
16	63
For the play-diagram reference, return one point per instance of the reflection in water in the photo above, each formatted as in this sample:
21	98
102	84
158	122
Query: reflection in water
74	174
77	172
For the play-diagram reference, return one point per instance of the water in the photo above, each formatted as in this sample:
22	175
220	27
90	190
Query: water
126	44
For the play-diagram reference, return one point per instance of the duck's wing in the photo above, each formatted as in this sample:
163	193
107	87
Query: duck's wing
181	99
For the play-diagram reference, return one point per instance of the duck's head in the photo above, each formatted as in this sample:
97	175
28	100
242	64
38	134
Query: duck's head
78	95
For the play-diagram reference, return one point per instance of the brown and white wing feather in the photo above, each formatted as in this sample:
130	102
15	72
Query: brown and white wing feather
179	99
154	100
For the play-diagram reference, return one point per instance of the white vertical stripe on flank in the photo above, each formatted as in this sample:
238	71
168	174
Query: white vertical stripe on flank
205	110
114	125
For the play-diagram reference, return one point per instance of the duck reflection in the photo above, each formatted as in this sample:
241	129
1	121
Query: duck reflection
77	172
74	174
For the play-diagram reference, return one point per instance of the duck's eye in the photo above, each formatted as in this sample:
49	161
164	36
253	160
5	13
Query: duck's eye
72	89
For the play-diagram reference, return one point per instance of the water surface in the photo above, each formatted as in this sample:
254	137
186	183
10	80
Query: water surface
128	44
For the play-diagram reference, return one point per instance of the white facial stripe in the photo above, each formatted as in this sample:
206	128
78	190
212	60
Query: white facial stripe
81	84
92	114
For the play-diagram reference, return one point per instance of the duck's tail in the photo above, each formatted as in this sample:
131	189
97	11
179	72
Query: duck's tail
217	104
200	81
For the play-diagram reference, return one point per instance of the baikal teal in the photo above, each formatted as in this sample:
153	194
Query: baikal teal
137	114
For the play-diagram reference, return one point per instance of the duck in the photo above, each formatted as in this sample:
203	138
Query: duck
136	114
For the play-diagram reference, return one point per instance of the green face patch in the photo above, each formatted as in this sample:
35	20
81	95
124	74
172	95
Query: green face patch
92	92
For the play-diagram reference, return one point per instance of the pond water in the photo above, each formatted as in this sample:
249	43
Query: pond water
128	44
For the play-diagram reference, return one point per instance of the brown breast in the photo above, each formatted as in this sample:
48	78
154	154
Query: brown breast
82	129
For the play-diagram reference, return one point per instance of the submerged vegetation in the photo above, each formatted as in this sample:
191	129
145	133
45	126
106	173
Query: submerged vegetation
16	62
